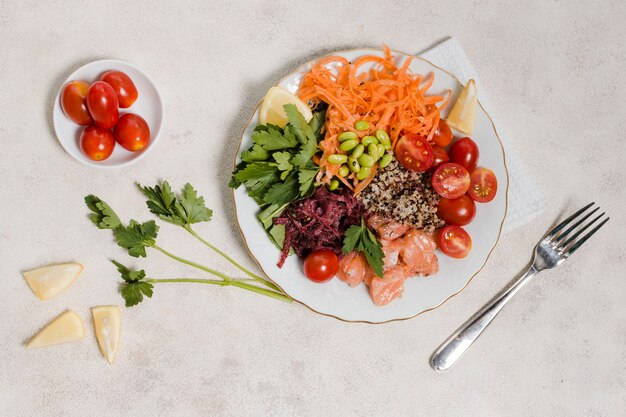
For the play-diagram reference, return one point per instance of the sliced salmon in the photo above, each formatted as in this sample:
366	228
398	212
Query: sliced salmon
418	252
353	268
387	229
383	290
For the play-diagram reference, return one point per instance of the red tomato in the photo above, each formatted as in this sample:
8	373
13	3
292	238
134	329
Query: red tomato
124	87
440	156
464	152
97	143
102	104
321	265
443	134
451	180
414	152
454	241
483	185
459	211
74	103
132	132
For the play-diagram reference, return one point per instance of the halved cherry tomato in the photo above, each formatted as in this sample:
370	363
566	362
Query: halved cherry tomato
483	185
124	87
132	132
97	143
74	102
443	134
321	265
102	104
414	152
451	180
454	241
464	152
440	156
459	211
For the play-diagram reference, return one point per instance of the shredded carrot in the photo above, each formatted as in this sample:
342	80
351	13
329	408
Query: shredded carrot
389	97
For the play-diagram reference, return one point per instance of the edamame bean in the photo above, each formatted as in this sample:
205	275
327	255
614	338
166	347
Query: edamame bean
358	151
348	145
334	184
382	137
354	165
337	159
385	160
346	136
381	150
368	140
373	151
363	173
344	170
361	125
366	160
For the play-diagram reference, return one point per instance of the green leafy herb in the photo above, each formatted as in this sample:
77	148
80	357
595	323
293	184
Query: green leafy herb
183	209
103	215
135	286
135	237
360	238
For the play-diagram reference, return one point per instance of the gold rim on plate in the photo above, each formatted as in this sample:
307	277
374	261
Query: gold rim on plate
506	199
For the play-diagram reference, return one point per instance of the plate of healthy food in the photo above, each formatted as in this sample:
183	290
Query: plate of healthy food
370	185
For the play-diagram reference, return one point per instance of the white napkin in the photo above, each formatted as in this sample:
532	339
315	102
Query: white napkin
526	202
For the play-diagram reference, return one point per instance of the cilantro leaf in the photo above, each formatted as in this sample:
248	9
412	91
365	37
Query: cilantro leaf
183	209
283	192
135	237
133	292
161	201
135	286
190	207
282	159
103	215
274	139
255	153
360	238
258	178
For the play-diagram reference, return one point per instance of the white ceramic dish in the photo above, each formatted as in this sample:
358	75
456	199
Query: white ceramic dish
148	105
335	298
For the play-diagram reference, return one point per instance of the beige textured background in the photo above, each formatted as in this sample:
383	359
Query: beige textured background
555	75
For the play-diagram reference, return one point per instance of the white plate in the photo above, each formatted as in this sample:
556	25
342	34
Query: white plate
148	105
335	298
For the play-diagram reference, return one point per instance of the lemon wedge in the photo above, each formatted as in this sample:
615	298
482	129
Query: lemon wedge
107	321
463	112
272	108
65	328
48	281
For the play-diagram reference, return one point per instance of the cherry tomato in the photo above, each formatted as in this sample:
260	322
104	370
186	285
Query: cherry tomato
443	134
454	241
124	87
102	104
440	156
464	152
483	185
459	211
97	143
74	102
132	132
321	265
451	180
414	152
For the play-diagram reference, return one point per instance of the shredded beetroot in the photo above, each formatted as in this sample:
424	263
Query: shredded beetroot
319	222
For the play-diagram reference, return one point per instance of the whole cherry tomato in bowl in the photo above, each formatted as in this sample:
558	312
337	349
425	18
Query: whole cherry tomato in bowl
132	132
124	87
103	104
74	102
464	152
97	143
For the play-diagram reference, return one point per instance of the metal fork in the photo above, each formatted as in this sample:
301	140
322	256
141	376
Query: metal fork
554	248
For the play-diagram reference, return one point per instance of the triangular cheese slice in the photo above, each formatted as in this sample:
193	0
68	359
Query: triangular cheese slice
65	328
107	321
48	281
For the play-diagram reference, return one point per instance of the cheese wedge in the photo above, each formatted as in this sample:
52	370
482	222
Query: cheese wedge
50	280
65	328
107	321
463	112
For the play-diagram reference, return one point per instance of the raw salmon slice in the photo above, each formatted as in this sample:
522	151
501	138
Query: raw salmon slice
353	269
383	290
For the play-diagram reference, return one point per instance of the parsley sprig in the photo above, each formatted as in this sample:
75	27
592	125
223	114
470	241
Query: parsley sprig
183	209
360	238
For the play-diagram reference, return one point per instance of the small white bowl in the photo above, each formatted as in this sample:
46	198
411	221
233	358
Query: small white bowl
148	105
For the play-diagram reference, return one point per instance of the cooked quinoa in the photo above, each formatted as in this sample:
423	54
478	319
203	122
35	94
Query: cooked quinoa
402	195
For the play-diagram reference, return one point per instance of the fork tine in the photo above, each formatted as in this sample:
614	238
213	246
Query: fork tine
565	222
578	244
562	236
562	245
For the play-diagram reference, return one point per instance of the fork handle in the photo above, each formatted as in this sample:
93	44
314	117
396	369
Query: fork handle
458	343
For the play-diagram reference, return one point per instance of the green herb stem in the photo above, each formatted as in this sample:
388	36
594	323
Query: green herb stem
193	264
